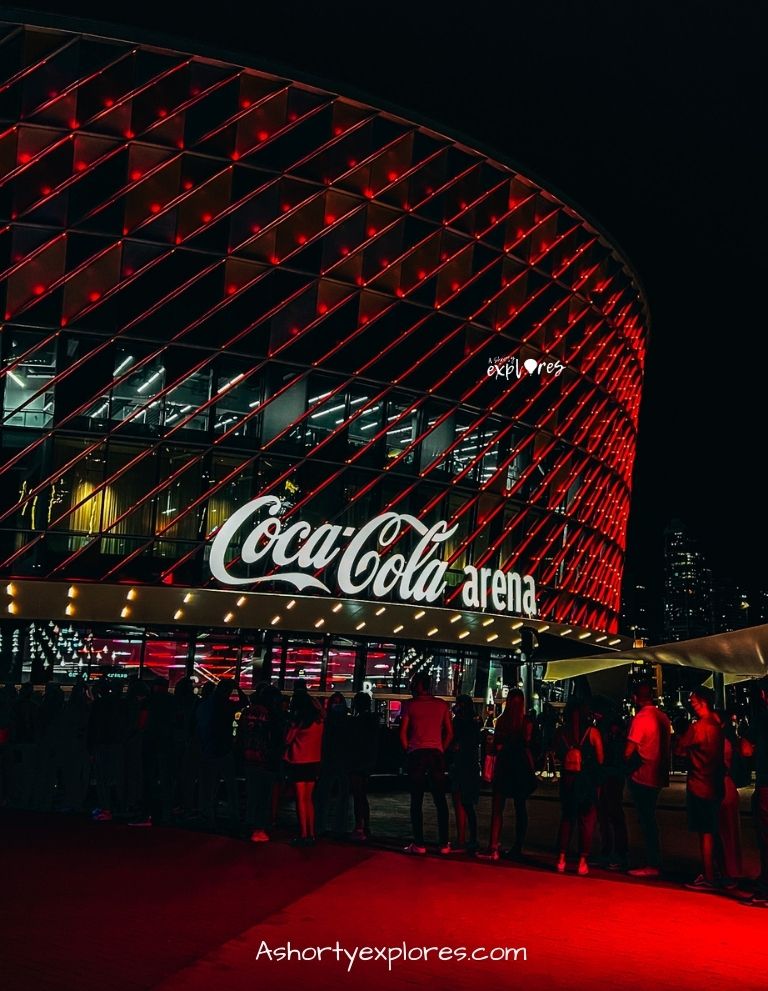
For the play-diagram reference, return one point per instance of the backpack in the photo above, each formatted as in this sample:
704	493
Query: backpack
573	761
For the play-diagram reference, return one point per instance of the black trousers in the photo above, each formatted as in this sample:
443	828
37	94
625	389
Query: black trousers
645	800
426	772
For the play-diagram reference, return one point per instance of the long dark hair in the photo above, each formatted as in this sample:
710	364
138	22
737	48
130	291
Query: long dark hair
512	719
304	711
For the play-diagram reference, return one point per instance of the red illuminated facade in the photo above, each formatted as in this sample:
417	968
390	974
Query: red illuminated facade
219	283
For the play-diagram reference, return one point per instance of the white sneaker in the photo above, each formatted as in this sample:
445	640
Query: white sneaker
259	836
448	849
583	867
561	865
415	848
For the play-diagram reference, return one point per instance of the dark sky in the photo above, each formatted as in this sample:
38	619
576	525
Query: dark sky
651	115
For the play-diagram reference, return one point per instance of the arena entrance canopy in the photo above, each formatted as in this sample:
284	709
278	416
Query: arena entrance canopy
738	655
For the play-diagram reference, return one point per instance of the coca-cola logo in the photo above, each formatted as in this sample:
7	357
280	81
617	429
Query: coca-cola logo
298	551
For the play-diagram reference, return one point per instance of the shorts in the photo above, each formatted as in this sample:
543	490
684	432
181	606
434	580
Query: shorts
702	814
302	772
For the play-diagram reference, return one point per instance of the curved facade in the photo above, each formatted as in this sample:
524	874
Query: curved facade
219	285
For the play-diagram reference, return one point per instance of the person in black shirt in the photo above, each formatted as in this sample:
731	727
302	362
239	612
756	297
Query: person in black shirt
759	737
361	760
214	726
464	771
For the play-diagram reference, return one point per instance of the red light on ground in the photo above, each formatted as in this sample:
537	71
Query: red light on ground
187	184
128	134
292	117
360	280
371	231
168	579
262	135
338	130
399	292
352	162
235	156
344	251
73	125
179	239
162	112
46	190
421	274
322	308
255	228
285	207
301	239
275	260
364	318
368	193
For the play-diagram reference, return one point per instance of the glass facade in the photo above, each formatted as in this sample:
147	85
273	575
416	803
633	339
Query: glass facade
220	284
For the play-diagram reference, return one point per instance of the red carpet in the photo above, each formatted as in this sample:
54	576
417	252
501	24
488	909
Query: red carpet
107	906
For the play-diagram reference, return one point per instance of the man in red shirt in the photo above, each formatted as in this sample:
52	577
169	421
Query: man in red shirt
648	744
425	734
703	744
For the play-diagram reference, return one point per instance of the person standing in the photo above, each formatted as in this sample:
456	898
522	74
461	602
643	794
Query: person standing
758	736
647	754
214	727
260	749
580	748
303	753
703	744
332	792
425	735
514	772
363	750
614	853
465	771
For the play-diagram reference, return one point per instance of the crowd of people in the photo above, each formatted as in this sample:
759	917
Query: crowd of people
152	757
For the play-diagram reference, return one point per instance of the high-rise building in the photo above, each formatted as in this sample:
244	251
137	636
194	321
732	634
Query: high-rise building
687	586
730	606
636	612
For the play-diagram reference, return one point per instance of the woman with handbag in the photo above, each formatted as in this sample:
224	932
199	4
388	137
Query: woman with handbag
304	747
580	748
513	773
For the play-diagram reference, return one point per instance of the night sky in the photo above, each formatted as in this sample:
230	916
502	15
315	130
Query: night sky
648	114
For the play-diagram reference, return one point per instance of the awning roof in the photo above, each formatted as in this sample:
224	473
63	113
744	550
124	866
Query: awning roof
742	653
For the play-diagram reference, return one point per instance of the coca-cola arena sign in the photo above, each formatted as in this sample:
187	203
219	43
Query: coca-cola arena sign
364	566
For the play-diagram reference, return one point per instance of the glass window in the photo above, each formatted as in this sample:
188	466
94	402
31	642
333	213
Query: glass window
166	656
237	399
402	431
193	393
135	393
28	394
341	666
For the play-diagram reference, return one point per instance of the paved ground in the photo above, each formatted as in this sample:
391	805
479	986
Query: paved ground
105	905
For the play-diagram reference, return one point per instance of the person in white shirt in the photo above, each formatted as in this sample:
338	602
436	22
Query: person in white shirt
647	752
425	734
